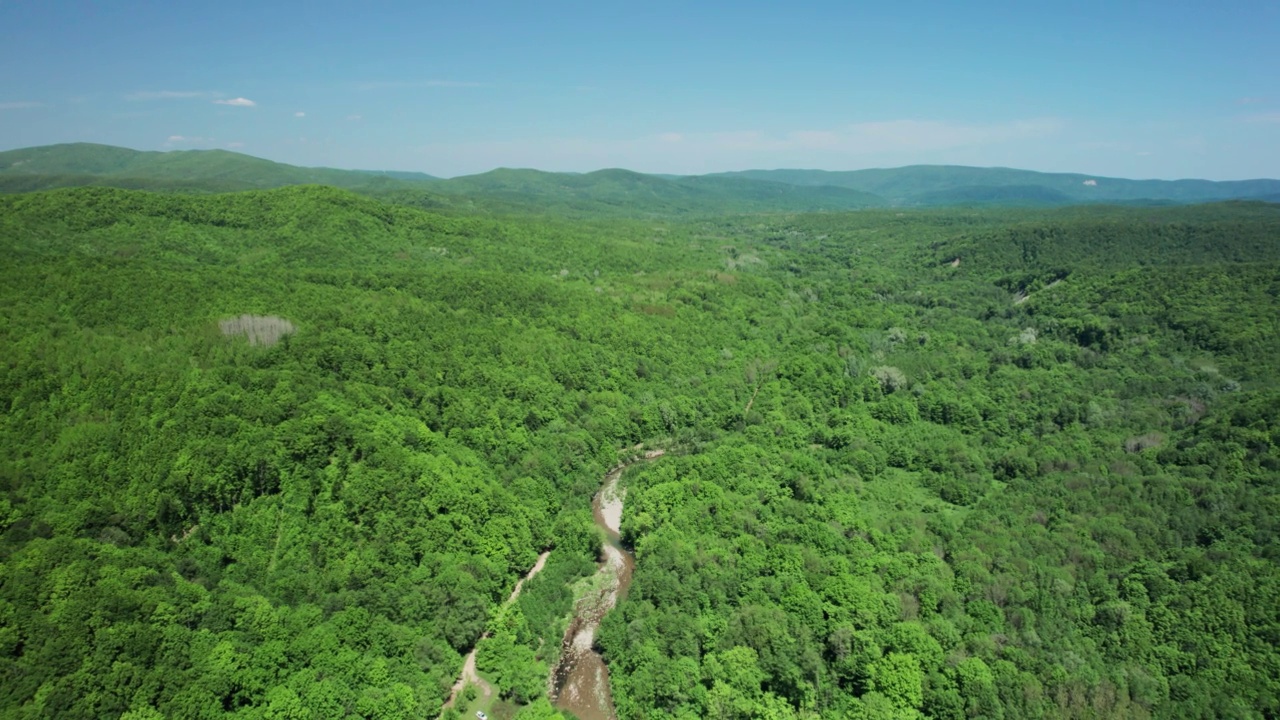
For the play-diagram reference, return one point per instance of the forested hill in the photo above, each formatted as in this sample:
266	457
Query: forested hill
607	193
622	192
284	453
77	164
610	193
940	185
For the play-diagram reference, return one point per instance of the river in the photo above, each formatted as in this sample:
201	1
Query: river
579	682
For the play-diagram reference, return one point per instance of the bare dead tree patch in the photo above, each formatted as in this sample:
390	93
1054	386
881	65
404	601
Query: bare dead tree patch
259	329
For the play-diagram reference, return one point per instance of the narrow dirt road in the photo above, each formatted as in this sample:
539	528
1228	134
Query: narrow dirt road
469	674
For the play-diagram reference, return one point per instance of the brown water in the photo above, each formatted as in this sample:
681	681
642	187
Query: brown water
579	683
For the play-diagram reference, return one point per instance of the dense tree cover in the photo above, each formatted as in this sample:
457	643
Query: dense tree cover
949	185
353	500
961	497
1040	482
78	164
615	193
611	192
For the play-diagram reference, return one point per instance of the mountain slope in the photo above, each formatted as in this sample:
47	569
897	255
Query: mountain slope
895	485
616	191
935	185
76	163
611	192
504	191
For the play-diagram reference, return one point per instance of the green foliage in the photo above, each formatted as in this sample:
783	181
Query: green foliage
76	164
1041	483
615	193
608	193
953	185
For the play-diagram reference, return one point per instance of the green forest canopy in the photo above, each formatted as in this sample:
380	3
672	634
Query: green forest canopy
958	463
609	192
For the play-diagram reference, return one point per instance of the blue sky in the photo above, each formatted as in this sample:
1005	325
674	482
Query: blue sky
1134	89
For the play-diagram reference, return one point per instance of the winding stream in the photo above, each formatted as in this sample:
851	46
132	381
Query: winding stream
579	682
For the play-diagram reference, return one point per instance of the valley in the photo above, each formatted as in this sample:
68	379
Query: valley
308	450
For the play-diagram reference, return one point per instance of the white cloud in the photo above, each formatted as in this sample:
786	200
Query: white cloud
20	105
168	94
354	118
1105	145
234	145
299	114
906	135
410	84
236	102
1268	118
884	144
187	140
451	83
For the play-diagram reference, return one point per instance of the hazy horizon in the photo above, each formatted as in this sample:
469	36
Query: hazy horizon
241	151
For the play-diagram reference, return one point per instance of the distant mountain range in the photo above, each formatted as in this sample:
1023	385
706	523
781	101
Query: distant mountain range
610	192
78	164
954	184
